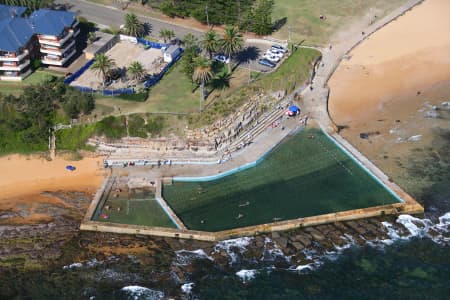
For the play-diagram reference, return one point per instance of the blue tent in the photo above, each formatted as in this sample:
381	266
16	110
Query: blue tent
70	168
294	109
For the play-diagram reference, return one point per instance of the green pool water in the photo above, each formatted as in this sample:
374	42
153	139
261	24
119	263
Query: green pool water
137	208
306	175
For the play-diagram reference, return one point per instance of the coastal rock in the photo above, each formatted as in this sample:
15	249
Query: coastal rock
353	225
298	246
281	242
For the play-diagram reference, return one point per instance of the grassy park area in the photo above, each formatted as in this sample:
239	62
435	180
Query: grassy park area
302	17
306	175
37	77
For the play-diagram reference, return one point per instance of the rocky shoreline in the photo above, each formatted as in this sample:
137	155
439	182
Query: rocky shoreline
58	247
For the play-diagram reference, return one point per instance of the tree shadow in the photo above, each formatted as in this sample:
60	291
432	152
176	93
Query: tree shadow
247	54
278	24
148	28
220	82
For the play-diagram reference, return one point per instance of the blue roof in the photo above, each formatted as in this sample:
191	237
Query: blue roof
51	22
7	11
14	33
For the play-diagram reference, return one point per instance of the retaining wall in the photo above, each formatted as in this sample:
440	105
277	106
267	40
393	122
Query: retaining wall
254	230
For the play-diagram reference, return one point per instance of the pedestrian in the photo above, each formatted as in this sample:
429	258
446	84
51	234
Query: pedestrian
311	87
331	46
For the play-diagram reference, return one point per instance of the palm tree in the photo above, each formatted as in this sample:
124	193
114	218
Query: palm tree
92	37
133	26
203	74
136	71
190	41
103	65
231	43
166	34
210	42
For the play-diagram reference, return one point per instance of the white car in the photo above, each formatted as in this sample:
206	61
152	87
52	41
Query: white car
279	48
276	52
222	59
272	58
270	53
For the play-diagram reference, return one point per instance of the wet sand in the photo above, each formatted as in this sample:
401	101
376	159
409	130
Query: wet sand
393	88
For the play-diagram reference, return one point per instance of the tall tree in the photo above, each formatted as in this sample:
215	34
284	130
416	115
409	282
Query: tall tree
202	74
190	42
30	4
136	71
133	26
103	65
210	42
231	43
166	34
262	17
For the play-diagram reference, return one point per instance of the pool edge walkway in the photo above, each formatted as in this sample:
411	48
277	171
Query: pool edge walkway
170	213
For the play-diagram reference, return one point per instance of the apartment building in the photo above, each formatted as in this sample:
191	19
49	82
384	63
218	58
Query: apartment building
48	35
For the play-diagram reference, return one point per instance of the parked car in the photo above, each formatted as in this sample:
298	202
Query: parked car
266	62
275	52
222	59
279	48
271	57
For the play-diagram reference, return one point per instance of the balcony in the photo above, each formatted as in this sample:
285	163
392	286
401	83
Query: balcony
57	60
14	76
53	40
13	57
55	50
14	67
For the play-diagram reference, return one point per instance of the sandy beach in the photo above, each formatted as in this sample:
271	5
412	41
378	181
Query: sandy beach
24	178
408	55
394	88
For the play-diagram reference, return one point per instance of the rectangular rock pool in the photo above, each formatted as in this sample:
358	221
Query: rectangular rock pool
306	175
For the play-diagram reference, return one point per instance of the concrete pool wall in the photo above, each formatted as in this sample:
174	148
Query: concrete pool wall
407	205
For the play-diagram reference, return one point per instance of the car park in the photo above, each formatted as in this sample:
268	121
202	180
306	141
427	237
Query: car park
266	62
222	58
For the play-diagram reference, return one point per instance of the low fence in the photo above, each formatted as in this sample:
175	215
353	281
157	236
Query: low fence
78	73
150	43
152	80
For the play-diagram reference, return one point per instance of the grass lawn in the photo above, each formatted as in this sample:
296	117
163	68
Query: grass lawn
294	71
173	94
305	24
306	175
37	77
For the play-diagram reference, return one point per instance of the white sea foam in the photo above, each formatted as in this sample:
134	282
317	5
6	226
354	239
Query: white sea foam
246	275
185	257
187	287
305	267
73	266
438	232
229	245
140	292
272	252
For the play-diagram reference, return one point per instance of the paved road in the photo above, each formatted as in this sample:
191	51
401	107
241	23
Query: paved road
110	16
